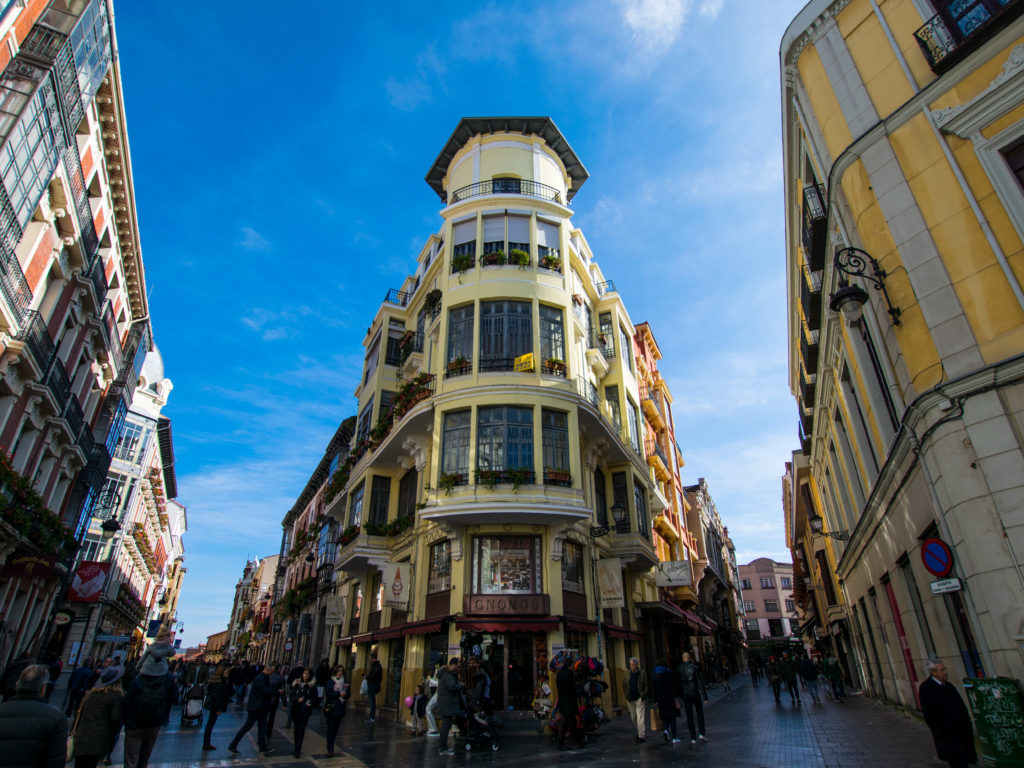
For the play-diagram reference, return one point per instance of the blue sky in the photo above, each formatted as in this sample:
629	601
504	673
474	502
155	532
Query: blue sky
279	162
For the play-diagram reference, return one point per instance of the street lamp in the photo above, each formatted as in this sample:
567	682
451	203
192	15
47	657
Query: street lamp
817	523
109	528
850	299
618	515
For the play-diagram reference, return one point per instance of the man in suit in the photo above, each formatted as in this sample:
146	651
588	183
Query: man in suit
947	717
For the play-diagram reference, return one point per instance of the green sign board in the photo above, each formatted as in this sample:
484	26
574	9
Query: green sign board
999	716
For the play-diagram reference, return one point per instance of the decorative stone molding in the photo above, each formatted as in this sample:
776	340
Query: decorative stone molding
1004	93
814	31
417	452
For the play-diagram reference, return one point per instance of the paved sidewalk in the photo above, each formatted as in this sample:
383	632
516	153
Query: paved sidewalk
745	727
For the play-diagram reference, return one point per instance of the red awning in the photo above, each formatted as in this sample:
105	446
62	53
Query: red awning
424	627
580	625
623	633
363	638
389	633
343	641
513	624
695	621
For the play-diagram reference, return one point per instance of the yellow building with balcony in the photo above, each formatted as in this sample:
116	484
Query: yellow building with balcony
497	491
904	149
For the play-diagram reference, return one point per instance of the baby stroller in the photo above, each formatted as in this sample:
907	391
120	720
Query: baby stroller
475	730
192	711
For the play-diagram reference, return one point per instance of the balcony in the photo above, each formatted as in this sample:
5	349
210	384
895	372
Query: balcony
809	348
411	344
960	27
805	438
14	287
74	417
810	298
587	391
506	187
808	386
652	409
362	550
815	225
397	297
58	383
603	289
98	278
635	549
806	421
656	458
557	477
38	341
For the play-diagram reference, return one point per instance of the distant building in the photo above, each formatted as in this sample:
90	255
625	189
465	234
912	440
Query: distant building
769	609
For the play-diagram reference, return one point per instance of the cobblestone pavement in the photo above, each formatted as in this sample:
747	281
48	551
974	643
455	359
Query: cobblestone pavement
745	728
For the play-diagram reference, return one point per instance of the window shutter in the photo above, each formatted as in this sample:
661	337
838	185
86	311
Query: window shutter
547	235
494	229
518	229
464	232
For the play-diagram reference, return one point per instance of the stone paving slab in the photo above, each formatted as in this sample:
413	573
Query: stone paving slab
745	727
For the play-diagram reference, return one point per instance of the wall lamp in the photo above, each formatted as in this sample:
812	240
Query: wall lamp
850	299
618	515
817	523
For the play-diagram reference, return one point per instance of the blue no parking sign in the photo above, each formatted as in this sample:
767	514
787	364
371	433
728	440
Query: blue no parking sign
937	557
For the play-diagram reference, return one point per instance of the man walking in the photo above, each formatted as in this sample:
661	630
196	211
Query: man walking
809	674
261	696
448	687
788	671
32	733
144	709
694	693
373	676
568	706
947	718
636	690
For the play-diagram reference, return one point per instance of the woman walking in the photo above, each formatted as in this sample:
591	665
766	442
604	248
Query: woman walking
665	693
99	719
218	696
303	697
335	695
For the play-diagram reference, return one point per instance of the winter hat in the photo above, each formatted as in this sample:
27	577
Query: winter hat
164	635
110	676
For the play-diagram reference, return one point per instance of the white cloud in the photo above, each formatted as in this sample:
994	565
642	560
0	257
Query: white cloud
407	95
710	8
654	24
252	240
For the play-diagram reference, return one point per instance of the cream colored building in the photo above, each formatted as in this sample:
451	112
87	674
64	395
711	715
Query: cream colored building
903	136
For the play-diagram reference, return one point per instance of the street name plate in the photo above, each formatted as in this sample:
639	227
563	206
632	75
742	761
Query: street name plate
946	585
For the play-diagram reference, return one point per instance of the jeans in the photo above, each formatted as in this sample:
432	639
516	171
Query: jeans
638	714
208	732
794	692
240	694
692	703
372	692
259	719
138	746
812	686
333	723
837	688
446	727
776	688
431	706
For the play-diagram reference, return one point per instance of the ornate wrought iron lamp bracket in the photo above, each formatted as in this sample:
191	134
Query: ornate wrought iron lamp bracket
855	262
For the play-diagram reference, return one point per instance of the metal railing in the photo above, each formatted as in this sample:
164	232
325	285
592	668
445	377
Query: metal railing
646	393
58	383
943	43
38	340
604	343
653	448
809	348
814	225
506	187
15	287
587	391
397	297
74	416
410	344
454	368
810	297
608	286
99	283
497	364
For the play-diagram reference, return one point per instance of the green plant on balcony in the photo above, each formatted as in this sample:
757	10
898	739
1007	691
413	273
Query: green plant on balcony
554	364
446	481
393	528
410	393
558	474
26	512
381	428
520	258
517	476
492	259
489	477
461	262
551	261
458	364
432	301
348	535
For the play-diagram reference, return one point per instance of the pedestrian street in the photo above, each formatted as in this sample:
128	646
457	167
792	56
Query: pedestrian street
744	726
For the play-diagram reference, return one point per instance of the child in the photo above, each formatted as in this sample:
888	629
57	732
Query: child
419	711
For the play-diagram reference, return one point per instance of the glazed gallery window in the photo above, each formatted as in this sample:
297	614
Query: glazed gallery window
506	332
640	500
464	238
506	565
355	506
555	439
455	442
600	498
365	417
504	438
460	333
439	579
407	494
515	238
572	566
132	444
380	497
627	348
552	334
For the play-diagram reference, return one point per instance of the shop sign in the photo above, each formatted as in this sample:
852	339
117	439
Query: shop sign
61	618
28	565
942	586
673	573
335	612
609	583
397	578
87	583
506	604
523	363
112	638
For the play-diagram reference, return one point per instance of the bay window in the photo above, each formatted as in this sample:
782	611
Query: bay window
552	334
506	332
460	333
504	438
455	444
506	565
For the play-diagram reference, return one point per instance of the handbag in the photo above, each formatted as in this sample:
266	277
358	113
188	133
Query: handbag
70	754
328	708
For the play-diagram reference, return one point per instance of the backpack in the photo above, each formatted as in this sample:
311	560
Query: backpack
150	700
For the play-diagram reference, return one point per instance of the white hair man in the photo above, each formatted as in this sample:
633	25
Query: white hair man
636	691
947	717
31	731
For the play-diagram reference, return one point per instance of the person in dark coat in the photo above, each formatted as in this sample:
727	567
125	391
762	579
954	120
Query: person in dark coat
947	717
81	680
12	673
303	697
691	685
788	670
373	676
322	674
32	733
448	703
568	706
218	696
144	709
261	698
99	719
666	689
336	694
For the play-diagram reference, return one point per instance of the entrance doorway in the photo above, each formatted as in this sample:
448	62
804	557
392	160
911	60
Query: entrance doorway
513	660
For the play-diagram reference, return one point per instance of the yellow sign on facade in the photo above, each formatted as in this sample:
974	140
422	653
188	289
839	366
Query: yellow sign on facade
524	362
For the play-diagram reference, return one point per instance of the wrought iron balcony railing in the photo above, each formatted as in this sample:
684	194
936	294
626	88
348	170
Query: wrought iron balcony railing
38	340
58	383
805	439
960	26
815	225
810	298
654	449
397	297
15	287
74	416
604	343
507	187
587	391
98	278
458	368
413	342
608	286
809	348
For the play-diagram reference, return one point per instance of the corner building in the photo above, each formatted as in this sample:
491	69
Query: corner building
498	459
903	126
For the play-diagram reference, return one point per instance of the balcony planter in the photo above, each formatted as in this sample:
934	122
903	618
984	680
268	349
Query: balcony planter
554	263
578	299
461	262
520	258
432	302
349	535
448	480
555	365
560	476
497	258
457	364
395	527
489	477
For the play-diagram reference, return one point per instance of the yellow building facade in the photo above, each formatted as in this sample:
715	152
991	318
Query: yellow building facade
497	492
903	132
